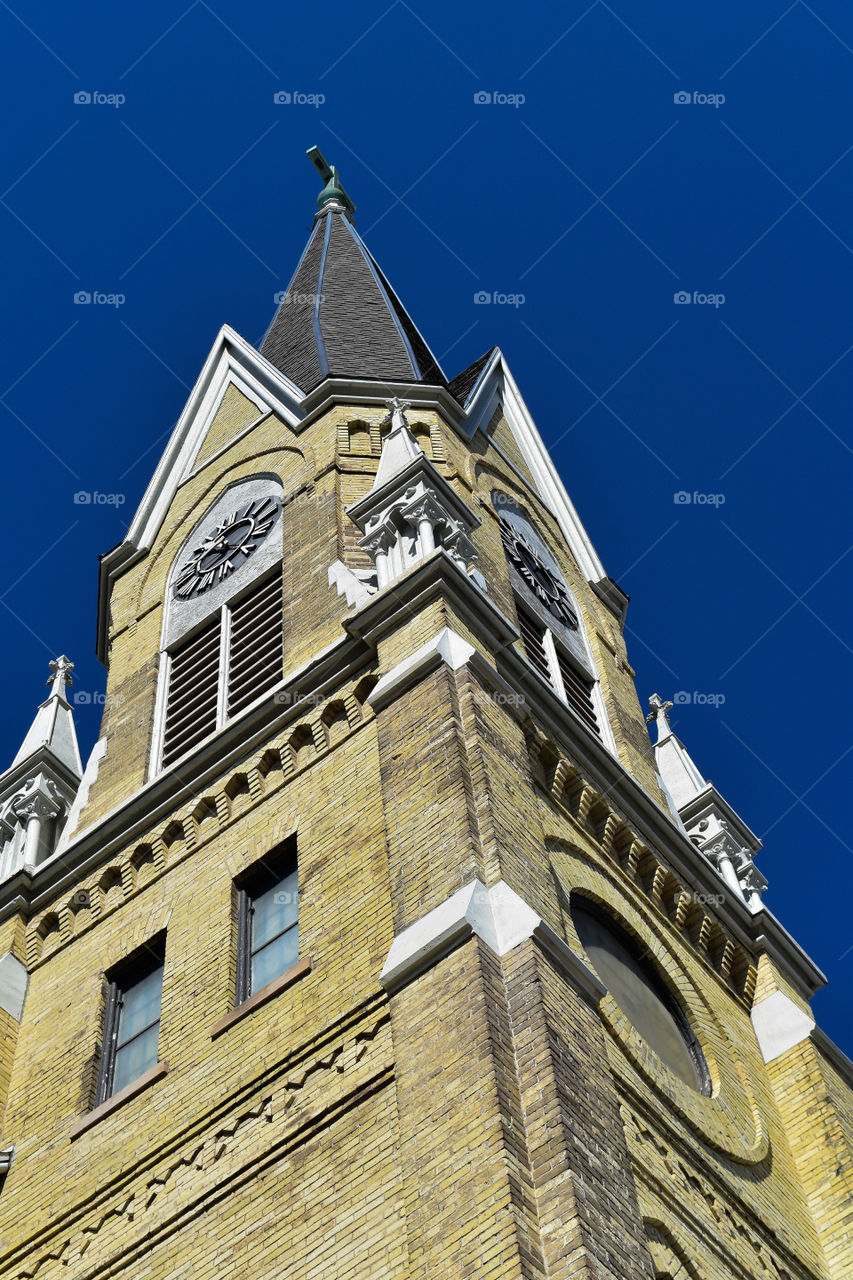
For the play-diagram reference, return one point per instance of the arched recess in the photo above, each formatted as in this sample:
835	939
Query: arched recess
670	1261
552	624
295	463
222	640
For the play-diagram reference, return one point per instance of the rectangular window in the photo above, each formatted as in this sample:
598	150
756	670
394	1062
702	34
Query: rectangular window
132	1024
220	669
551	661
268	921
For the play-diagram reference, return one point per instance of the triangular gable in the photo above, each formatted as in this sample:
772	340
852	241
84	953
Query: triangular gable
232	361
495	387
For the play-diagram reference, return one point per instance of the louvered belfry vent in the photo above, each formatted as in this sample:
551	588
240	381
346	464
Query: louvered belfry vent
256	648
222	668
549	659
578	691
533	639
192	701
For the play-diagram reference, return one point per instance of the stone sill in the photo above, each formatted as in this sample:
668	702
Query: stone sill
119	1099
299	970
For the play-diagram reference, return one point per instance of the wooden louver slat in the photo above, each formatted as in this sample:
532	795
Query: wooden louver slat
191	701
256	649
578	691
532	636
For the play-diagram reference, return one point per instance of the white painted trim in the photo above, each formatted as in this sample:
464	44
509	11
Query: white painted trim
227	378
90	774
231	359
499	918
447	647
496	384
779	1024
13	986
347	584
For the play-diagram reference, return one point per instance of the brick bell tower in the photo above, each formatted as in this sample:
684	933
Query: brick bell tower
376	938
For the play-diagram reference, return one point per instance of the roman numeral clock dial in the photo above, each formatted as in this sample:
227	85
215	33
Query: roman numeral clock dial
226	547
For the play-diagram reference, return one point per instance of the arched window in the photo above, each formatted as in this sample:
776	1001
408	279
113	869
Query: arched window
549	619
635	984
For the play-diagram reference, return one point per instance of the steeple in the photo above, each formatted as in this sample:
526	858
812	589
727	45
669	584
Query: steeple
52	730
713	826
38	788
339	317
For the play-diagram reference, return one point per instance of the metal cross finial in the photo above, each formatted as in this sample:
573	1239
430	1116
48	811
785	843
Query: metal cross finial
333	189
61	668
658	714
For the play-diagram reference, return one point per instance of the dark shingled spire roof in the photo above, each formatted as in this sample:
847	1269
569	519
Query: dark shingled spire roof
464	383
340	318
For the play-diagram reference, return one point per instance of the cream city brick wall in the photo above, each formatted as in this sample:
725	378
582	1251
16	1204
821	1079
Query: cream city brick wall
485	1118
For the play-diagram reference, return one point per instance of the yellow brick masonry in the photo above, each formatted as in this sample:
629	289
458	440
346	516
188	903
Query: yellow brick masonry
486	1118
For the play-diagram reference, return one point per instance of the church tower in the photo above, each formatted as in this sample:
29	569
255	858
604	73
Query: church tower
376	939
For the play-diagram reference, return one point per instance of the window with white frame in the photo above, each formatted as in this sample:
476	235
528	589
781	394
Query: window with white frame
233	658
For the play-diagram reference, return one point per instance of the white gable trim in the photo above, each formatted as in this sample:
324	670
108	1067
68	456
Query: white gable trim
496	385
231	359
206	416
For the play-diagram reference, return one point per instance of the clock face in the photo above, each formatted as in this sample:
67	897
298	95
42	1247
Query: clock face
543	582
226	547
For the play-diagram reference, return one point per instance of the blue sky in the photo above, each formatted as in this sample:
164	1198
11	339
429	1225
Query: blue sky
582	187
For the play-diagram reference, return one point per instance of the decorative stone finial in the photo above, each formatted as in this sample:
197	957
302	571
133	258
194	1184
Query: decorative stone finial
658	715
332	191
61	668
397	415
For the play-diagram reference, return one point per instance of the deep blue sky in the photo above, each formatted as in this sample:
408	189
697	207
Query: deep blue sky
597	199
